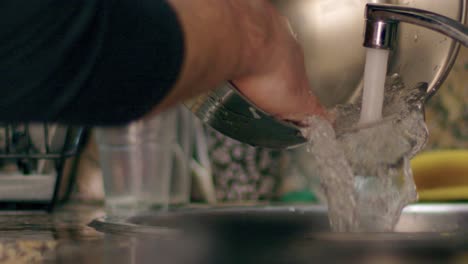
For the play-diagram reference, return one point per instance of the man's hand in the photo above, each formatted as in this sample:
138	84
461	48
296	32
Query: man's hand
275	79
250	43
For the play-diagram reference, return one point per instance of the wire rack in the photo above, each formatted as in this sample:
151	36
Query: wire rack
35	154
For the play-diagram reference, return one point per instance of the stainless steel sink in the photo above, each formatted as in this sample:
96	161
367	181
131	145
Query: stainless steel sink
306	219
426	233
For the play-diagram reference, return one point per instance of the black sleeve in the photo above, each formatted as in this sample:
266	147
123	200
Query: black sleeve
93	62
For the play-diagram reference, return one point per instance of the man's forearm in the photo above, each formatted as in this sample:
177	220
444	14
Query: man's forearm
218	43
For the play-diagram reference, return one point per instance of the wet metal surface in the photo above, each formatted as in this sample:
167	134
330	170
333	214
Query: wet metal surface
300	234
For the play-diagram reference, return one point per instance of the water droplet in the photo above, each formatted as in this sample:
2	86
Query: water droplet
396	75
254	113
443	40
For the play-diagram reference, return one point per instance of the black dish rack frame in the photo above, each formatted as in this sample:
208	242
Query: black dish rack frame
17	147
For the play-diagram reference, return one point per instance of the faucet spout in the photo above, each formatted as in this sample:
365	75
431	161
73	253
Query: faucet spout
382	23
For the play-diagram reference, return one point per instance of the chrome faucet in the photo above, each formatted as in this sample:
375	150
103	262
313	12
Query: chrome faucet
382	25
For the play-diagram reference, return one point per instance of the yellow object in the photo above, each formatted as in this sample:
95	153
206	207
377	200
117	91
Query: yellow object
444	194
441	175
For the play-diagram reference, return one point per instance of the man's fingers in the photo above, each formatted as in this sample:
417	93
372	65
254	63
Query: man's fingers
305	106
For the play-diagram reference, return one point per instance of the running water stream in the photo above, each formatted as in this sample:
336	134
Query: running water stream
374	83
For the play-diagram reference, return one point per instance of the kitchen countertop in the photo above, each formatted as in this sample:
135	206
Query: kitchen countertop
65	237
38	237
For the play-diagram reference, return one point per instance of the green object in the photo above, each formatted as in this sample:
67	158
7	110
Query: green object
299	196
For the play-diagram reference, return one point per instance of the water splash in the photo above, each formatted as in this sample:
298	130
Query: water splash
364	169
335	174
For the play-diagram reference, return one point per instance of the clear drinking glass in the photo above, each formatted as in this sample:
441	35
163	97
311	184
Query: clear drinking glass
180	185
138	160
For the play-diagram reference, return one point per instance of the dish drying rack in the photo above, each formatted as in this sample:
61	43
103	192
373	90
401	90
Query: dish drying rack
32	164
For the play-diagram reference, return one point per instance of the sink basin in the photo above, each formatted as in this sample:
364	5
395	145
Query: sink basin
291	234
306	219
